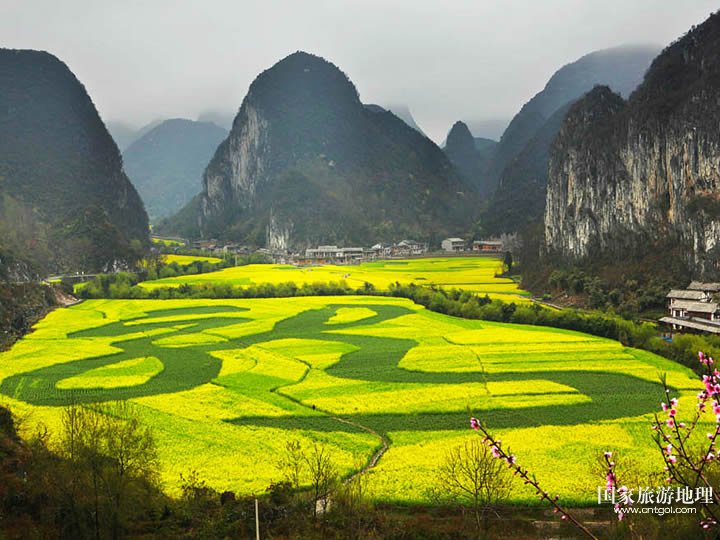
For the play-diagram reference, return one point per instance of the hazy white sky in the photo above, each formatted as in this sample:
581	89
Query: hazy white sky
447	60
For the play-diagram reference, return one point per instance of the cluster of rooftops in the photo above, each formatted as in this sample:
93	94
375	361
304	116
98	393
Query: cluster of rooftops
695	309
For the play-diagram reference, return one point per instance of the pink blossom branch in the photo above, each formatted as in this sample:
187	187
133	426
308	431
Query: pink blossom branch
499	453
671	452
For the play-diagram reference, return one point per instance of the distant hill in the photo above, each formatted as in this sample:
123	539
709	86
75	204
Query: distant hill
223	119
125	134
307	162
65	203
488	128
166	164
404	114
472	156
484	144
520	198
519	171
401	111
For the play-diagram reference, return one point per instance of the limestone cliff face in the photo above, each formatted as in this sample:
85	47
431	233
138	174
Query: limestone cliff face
307	162
244	156
627	177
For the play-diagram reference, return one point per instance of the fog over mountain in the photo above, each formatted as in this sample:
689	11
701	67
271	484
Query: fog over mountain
146	60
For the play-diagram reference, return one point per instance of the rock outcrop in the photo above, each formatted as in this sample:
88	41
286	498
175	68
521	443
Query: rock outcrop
629	177
306	162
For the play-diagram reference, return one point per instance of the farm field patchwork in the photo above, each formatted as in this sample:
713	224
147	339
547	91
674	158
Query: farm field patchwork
470	273
225	383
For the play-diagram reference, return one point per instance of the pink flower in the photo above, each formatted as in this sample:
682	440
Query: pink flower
608	455
669	449
495	452
474	423
672	459
610	481
671	422
672	412
664	406
674	402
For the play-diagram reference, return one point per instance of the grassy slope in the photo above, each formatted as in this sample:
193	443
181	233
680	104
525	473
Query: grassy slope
240	378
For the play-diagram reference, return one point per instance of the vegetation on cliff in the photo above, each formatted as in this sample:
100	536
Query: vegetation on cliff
65	203
306	162
628	179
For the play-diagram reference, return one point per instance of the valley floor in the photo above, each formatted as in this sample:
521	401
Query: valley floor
225	384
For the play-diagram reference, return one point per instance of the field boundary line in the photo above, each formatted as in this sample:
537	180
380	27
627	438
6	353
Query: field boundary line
384	440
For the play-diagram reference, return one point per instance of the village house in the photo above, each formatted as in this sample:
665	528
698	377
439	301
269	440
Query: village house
406	248
205	244
334	254
487	246
694	309
453	244
379	251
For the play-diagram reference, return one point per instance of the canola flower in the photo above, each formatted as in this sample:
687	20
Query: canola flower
499	452
683	465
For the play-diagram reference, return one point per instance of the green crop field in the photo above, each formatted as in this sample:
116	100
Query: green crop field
225	383
470	273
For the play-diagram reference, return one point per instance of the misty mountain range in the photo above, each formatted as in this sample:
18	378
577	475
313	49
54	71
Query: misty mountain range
483	162
304	162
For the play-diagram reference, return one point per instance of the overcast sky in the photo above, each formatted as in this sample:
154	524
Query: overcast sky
447	60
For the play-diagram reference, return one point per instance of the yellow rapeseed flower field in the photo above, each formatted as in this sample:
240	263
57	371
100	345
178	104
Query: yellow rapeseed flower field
225	383
475	274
